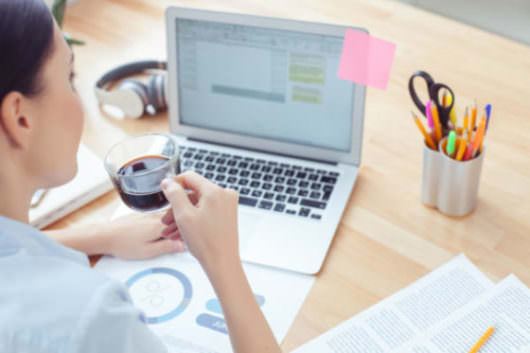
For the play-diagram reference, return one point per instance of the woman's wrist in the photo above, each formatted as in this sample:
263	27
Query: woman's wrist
91	239
222	268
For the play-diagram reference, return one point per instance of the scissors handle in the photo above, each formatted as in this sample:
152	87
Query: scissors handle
428	81
444	112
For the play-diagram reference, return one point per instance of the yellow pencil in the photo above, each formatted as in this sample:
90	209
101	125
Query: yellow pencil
466	121
428	138
484	117
437	125
444	98
461	148
473	116
482	340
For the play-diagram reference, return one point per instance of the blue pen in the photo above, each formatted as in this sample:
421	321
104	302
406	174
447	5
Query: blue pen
488	113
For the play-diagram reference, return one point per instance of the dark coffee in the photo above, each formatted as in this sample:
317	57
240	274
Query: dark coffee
139	183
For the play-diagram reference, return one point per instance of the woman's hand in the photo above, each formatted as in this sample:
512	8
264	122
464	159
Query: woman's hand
206	219
142	236
138	236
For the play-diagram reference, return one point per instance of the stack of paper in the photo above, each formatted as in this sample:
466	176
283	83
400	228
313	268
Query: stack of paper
446	311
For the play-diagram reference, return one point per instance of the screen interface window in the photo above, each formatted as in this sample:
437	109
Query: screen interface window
262	82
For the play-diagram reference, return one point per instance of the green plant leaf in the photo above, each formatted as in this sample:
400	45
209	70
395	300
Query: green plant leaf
58	9
72	41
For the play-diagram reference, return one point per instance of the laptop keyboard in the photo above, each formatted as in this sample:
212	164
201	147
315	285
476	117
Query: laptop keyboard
268	185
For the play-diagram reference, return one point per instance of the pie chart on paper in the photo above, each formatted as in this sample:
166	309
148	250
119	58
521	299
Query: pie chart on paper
161	293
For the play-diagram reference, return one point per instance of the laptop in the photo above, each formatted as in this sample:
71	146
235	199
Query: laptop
256	106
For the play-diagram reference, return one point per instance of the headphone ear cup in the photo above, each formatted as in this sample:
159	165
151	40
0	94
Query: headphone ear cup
130	98
138	87
156	87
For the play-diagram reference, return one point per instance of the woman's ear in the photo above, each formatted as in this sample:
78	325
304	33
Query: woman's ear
15	120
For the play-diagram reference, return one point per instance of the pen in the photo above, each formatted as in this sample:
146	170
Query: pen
427	137
436	120
450	149
482	340
488	113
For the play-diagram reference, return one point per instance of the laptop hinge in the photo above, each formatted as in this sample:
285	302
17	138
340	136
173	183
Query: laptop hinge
263	151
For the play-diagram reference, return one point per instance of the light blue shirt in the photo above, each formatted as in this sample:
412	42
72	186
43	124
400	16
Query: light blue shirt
52	301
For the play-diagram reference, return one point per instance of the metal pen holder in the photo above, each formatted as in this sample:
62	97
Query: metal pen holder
449	185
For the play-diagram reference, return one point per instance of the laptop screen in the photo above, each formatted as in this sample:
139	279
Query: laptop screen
263	82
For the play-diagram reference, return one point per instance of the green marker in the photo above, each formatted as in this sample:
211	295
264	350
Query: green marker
451	143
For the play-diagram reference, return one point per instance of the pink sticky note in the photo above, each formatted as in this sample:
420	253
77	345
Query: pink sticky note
365	59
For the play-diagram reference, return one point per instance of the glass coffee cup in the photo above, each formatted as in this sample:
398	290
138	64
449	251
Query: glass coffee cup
137	166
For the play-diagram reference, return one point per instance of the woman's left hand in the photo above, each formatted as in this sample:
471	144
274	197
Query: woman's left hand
142	236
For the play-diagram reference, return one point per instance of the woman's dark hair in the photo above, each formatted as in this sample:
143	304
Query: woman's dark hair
26	41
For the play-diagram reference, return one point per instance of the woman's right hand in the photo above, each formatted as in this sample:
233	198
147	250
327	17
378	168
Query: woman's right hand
207	221
206	218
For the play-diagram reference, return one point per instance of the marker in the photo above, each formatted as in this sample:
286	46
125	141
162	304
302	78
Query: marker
451	143
482	340
428	114
426	136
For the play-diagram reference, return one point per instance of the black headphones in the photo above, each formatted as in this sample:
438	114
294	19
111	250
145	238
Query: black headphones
135	98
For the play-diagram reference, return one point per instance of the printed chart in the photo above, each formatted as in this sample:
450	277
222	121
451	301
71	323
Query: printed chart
161	293
216	322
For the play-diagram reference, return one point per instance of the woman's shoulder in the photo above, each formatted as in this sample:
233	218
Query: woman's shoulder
51	299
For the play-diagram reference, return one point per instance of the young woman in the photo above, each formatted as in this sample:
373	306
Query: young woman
50	298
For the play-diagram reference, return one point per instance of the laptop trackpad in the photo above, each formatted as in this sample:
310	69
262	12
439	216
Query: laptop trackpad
248	223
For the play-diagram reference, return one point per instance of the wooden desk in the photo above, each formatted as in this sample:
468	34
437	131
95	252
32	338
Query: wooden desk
387	238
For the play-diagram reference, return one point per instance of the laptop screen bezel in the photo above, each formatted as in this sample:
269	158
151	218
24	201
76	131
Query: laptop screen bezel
240	140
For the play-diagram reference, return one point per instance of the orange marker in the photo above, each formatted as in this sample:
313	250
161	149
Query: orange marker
427	137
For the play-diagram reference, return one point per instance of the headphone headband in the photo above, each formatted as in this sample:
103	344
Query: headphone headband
133	97
129	69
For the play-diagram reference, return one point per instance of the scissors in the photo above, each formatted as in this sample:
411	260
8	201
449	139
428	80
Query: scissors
433	90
